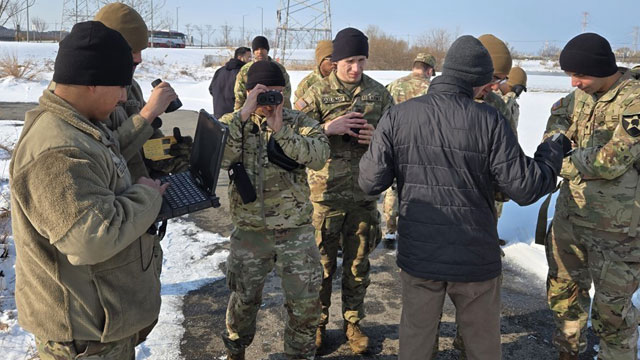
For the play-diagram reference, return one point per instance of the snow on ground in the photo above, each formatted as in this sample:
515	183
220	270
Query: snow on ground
188	263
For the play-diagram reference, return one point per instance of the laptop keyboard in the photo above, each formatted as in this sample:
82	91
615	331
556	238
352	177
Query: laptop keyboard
182	191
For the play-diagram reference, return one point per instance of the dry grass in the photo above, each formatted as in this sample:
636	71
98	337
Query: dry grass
10	65
299	65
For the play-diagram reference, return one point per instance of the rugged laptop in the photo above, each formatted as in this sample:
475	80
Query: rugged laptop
195	189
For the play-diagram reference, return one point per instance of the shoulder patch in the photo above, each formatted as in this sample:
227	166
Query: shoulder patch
631	124
300	104
557	105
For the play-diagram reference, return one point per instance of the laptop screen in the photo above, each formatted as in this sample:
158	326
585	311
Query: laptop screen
207	151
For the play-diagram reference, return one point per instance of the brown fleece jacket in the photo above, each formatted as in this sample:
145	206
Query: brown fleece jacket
86	269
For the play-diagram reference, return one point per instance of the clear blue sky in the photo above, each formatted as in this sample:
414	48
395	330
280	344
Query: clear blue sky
526	25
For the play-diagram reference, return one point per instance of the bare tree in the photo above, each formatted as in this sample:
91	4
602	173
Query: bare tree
200	30
164	23
188	28
5	13
550	51
210	31
268	33
39	26
16	18
226	31
149	10
436	42
385	51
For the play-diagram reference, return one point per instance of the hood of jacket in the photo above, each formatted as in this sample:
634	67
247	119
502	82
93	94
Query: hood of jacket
234	64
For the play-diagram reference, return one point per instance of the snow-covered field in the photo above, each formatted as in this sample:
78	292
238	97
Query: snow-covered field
186	263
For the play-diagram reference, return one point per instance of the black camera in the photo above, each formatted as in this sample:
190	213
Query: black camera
271	97
174	105
359	109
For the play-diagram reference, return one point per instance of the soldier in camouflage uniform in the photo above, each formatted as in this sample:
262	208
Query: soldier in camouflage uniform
594	233
324	67
510	90
132	27
275	228
403	89
491	95
260	48
348	104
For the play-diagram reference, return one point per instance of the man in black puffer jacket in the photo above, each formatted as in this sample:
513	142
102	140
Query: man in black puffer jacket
449	155
221	87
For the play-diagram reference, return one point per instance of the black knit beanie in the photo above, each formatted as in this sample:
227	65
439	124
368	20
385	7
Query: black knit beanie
95	55
266	73
588	54
468	60
259	42
349	42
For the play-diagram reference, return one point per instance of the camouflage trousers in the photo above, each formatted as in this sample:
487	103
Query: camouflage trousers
358	227
391	209
577	256
90	350
252	257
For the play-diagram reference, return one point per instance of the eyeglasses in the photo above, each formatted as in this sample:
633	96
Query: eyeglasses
496	80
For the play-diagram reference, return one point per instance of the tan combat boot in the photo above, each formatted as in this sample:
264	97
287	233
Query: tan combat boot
232	356
321	333
567	356
358	341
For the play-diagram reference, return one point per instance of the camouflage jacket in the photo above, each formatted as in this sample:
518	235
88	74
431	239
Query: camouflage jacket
602	172
240	89
511	102
325	101
282	196
122	114
408	87
306	83
499	104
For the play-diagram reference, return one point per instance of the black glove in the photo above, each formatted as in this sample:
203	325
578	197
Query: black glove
518	89
564	141
182	147
551	153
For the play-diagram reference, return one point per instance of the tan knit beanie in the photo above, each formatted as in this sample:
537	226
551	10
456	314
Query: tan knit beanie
499	52
323	49
517	76
127	22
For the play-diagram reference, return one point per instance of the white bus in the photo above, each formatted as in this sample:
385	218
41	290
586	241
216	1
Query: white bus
167	39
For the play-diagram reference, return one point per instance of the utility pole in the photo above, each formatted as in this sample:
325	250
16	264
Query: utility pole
261	20
28	26
152	29
585	21
301	23
243	41
75	11
177	24
636	30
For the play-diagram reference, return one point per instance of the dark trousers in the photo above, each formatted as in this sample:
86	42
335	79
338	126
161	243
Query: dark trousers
477	315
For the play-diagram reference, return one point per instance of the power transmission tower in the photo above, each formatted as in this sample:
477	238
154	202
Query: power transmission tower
585	22
75	11
301	23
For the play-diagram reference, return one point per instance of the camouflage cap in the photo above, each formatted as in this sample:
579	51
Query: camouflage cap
128	22
427	59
